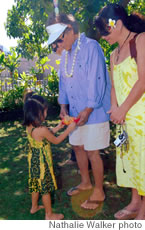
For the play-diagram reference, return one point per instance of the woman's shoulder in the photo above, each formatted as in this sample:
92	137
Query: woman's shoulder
112	55
140	40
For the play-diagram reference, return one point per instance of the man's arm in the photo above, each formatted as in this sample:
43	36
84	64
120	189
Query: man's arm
96	81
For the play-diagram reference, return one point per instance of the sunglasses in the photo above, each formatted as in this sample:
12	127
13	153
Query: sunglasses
59	40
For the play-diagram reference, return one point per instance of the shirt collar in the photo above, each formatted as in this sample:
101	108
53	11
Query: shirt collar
75	43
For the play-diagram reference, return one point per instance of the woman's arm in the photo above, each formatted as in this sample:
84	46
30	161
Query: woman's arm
114	103
113	94
138	89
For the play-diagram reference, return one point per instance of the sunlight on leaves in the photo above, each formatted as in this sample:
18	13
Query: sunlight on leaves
17	158
4	170
18	193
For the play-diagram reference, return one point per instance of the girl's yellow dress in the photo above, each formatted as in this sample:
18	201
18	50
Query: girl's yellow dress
41	174
125	75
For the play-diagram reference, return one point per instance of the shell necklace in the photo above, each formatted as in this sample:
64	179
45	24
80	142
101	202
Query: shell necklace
74	59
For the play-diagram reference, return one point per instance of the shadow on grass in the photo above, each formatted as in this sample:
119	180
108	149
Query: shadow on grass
15	200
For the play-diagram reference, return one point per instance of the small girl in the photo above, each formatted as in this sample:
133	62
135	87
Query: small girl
41	175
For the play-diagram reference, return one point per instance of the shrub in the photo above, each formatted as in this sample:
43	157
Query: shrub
12	99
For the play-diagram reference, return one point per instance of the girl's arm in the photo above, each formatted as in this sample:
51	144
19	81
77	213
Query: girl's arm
57	128
46	133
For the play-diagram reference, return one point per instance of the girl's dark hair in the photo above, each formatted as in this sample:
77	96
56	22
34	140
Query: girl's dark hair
34	106
135	22
41	99
33	95
33	113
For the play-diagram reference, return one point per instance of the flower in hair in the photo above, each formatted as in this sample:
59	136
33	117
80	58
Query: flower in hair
112	23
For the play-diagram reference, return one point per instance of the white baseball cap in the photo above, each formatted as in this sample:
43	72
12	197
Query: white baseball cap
55	31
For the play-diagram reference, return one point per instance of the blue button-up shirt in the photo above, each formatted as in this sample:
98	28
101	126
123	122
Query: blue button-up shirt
90	84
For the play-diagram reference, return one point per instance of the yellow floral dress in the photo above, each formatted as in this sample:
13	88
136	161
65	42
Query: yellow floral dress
125	75
41	175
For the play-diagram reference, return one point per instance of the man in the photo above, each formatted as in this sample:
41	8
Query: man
84	87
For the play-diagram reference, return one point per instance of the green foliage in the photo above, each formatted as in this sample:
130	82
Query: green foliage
137	6
26	21
41	65
2	56
10	62
12	99
52	86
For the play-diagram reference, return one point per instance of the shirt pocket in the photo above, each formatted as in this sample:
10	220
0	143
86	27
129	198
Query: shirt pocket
82	69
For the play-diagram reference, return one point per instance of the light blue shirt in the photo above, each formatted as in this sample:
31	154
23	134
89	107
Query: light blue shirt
90	84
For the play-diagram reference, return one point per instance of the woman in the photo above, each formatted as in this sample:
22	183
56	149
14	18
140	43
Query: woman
127	99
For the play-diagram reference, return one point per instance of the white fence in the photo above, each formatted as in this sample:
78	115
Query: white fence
6	84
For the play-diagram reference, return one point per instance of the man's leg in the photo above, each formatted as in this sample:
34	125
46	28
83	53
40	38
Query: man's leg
82	161
98	173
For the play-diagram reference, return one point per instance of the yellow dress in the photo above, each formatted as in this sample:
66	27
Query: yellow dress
125	75
41	175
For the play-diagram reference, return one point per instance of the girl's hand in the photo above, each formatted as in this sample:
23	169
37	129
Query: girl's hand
72	126
60	125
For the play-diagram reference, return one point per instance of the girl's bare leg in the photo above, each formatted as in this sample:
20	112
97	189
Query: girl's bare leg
49	215
35	207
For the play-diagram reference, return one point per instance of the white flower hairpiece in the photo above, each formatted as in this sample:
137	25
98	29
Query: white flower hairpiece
112	23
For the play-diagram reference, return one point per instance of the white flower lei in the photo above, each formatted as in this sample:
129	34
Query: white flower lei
74	59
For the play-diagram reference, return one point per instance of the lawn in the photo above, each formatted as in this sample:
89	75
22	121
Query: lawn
15	200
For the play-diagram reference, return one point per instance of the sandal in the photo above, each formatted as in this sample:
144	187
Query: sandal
75	190
125	214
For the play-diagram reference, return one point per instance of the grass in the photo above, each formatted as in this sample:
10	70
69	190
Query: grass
15	200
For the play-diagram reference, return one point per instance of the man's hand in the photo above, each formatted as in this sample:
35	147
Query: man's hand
63	111
83	116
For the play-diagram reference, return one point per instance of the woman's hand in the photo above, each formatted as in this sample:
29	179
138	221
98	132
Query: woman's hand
117	114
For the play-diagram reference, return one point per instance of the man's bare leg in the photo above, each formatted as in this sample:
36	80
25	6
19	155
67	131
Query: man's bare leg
82	161
98	173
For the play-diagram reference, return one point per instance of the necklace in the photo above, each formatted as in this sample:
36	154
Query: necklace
74	59
119	48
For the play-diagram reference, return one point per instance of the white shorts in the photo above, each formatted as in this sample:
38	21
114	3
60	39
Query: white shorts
92	137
